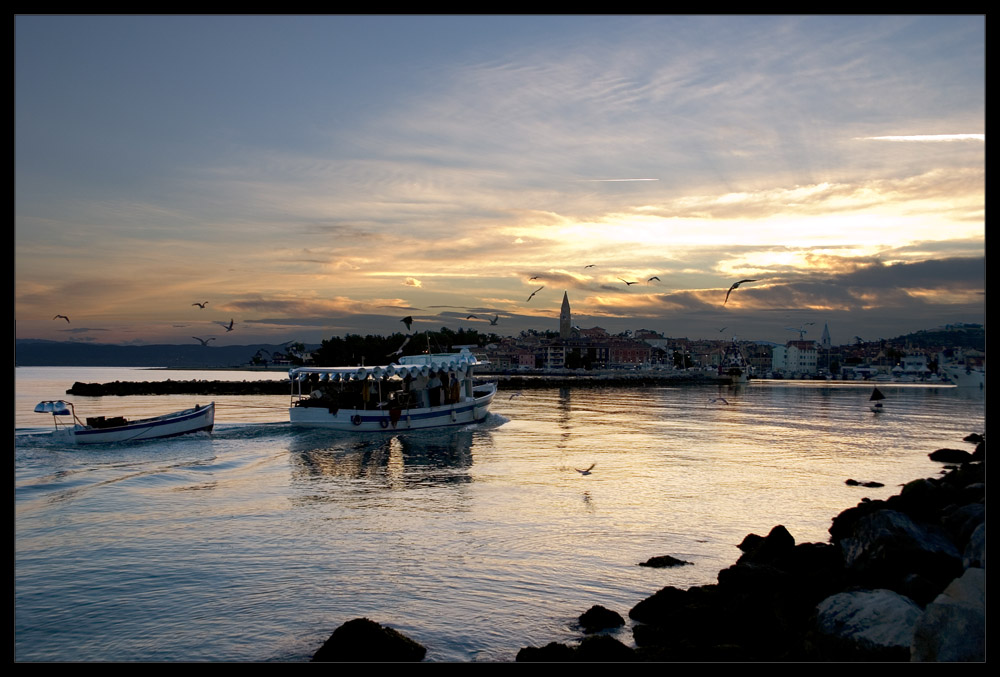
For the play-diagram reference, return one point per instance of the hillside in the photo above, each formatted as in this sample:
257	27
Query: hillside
34	353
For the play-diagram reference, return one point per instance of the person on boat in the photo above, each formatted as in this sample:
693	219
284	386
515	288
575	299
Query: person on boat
454	389
434	390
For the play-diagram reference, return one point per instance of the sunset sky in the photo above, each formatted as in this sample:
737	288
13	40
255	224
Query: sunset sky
312	176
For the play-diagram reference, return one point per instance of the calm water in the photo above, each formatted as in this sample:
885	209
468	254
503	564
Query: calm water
255	543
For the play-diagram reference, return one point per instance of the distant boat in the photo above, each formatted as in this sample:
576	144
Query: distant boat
101	429
965	376
876	400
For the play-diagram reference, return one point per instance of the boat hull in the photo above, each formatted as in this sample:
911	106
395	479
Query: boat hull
472	410
184	422
965	377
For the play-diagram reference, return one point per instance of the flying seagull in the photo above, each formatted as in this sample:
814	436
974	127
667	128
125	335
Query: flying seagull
62	316
532	278
587	471
469	317
718	399
399	351
627	282
494	320
517	394
653	278
735	285
408	320
535	292
591	265
229	327
200	305
204	342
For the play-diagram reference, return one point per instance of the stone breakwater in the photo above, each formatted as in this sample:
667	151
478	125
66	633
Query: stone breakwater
169	387
902	579
282	387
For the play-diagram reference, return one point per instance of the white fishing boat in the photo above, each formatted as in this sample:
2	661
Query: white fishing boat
420	391
734	364
102	429
965	376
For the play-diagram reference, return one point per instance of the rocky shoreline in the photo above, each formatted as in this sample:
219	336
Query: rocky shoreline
902	579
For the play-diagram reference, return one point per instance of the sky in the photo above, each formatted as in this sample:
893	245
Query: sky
317	176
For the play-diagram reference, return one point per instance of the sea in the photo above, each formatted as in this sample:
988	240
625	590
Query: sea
255	542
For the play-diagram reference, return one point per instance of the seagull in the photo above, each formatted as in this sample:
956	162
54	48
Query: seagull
627	282
591	265
469	317
535	292
399	351
62	316
204	342
532	278
200	305
723	329
718	399
735	285
496	318
517	394
408	320
228	327
653	278
587	471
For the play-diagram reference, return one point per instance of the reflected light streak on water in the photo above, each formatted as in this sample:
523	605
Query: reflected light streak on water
254	543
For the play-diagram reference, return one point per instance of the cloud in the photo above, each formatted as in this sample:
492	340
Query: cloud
929	137
412	282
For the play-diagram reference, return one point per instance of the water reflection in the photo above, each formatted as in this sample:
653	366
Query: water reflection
412	459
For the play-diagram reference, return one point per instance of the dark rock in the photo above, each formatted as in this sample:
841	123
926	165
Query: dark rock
975	549
553	652
866	625
873	485
750	543
598	618
663	561
953	627
660	606
950	456
963	520
604	649
887	545
975	438
777	544
980	453
852	483
752	579
363	640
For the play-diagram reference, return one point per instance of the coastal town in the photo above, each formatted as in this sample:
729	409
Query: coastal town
947	354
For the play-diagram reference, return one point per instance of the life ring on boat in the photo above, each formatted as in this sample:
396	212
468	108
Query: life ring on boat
384	422
356	419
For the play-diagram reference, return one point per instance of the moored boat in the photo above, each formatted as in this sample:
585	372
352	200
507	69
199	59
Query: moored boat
965	376
103	430
419	392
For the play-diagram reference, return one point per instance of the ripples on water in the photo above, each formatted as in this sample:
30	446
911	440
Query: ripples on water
254	543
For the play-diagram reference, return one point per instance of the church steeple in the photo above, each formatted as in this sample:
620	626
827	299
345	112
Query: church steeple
565	319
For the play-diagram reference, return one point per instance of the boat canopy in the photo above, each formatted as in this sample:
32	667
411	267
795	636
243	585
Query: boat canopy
54	407
411	364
